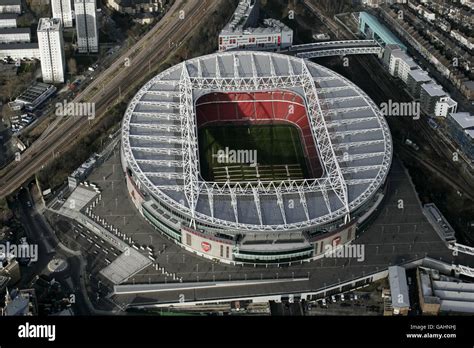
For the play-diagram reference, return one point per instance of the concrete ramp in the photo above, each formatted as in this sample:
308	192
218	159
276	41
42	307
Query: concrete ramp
125	266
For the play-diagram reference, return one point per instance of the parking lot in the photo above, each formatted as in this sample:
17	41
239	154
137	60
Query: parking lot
396	236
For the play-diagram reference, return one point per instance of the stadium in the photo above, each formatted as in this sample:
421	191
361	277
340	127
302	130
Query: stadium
254	157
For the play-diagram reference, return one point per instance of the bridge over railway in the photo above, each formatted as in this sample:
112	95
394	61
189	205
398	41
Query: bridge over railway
335	48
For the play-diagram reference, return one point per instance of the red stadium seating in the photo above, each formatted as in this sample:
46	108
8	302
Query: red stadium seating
258	108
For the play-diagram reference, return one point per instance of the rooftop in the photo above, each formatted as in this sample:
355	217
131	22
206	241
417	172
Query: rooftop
242	16
464	119
419	75
18	46
433	90
453	294
14	30
8	16
10	2
398	286
403	56
34	91
46	24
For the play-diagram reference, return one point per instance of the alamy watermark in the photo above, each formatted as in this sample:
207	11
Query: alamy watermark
346	251
401	109
20	251
68	109
228	156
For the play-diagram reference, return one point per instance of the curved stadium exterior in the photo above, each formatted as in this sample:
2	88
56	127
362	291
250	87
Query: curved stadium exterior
345	140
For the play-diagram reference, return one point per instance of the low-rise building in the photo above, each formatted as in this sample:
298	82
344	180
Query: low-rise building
417	78
27	50
461	128
467	89
445	106
430	94
10	6
35	95
136	6
401	64
8	20
12	270
399	290
10	35
440	294
468	42
21	303
245	32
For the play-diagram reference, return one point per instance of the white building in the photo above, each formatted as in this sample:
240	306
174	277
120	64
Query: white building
445	106
401	64
19	51
10	6
86	26
8	20
51	45
11	35
466	41
62	9
245	32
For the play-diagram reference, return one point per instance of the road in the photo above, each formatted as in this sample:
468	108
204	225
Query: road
108	88
39	233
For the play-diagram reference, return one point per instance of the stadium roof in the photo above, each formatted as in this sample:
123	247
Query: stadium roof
159	143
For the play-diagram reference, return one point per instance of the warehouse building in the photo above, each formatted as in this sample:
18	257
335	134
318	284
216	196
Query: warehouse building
10	35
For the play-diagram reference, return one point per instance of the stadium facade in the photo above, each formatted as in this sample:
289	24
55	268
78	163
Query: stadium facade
346	141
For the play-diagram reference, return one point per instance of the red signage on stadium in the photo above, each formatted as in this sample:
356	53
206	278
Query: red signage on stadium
206	246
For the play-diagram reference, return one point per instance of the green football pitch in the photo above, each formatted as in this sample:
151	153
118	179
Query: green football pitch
277	153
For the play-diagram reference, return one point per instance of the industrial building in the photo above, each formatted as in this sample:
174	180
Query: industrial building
253	221
400	299
86	26
442	294
62	9
15	35
35	95
245	31
135	6
51	46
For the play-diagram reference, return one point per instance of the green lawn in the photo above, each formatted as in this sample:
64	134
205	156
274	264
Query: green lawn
276	146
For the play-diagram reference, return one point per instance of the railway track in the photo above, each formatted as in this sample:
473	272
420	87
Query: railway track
70	130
